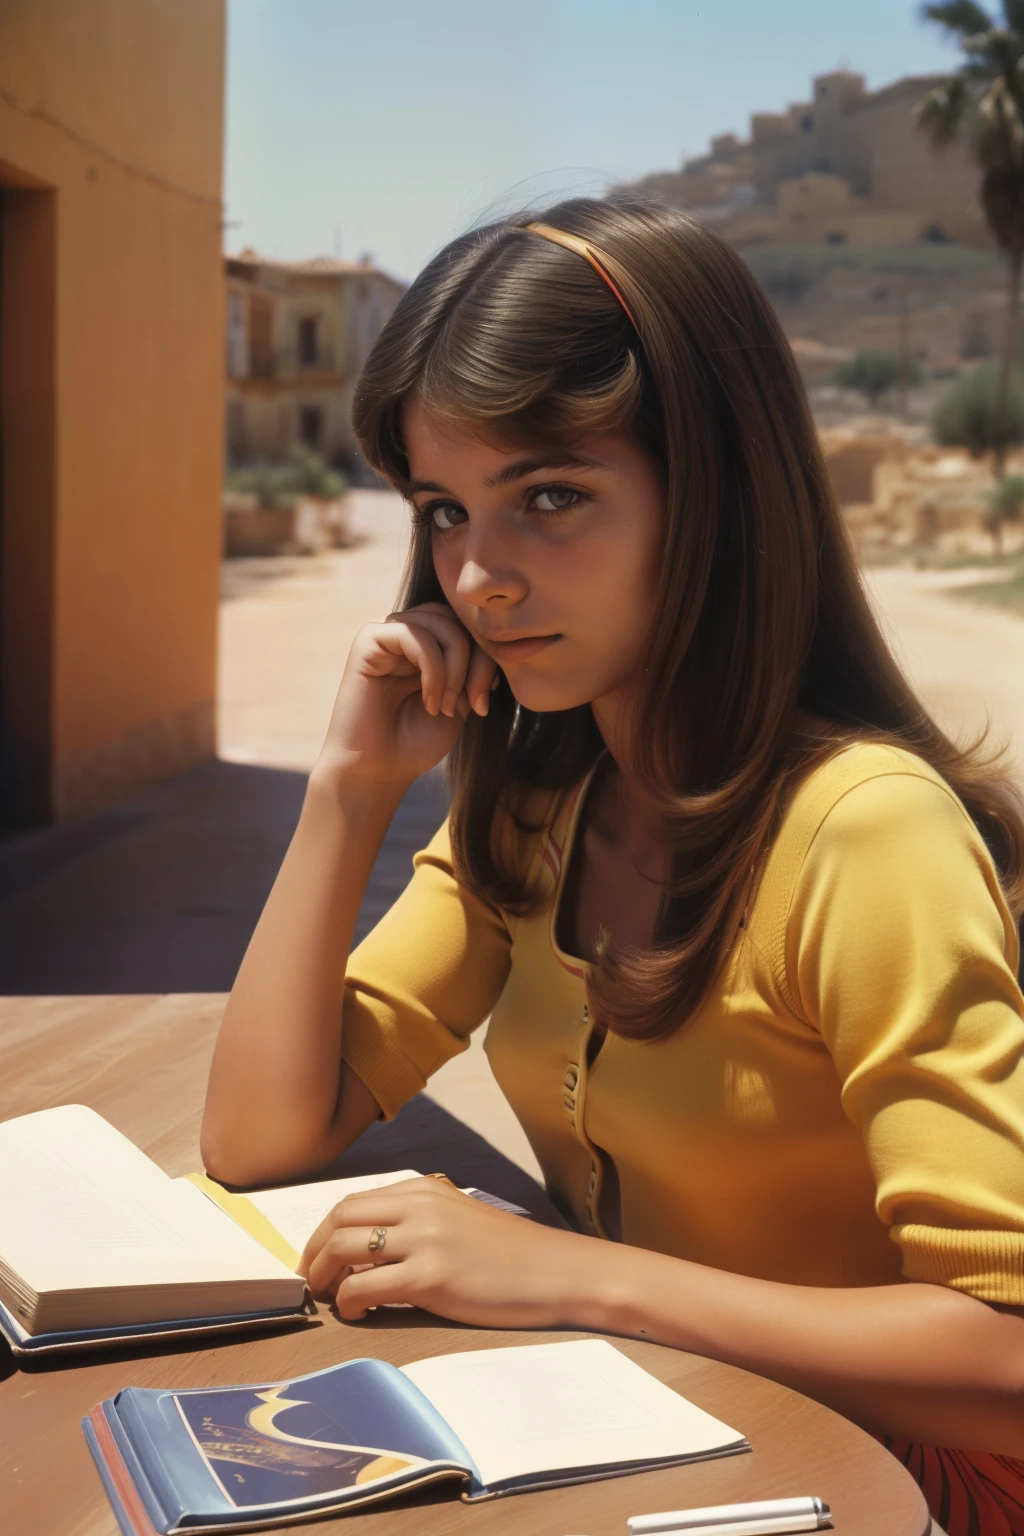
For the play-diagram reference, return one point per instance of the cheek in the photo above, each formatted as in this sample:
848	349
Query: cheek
642	561
447	566
614	576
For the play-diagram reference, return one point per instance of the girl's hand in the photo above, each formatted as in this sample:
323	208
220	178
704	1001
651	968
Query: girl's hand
408	685
452	1255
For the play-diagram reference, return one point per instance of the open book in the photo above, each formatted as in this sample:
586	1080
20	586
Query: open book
99	1245
496	1421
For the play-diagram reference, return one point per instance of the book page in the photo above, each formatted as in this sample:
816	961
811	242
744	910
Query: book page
297	1210
82	1207
551	1407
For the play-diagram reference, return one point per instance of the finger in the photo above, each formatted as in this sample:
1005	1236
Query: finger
455	648
482	669
332	1223
346	1248
437	617
453	640
418	646
371	1288
434	606
380	1207
480	676
391	1203
319	1239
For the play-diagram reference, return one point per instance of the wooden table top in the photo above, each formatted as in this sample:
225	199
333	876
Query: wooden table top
142	1063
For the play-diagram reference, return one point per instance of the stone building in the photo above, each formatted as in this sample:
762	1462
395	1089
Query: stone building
847	166
297	336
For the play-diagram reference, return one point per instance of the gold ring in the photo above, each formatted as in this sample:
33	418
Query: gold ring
378	1237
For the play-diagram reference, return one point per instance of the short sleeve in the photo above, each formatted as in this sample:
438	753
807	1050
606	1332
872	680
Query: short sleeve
422	980
900	949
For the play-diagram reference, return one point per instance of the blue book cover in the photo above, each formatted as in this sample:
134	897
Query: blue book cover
228	1456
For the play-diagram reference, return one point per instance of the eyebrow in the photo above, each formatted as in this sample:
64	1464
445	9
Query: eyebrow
518	470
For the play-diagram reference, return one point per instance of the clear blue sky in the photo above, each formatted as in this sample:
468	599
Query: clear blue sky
392	125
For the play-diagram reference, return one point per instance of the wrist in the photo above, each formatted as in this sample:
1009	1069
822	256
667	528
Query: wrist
332	781
616	1290
591	1294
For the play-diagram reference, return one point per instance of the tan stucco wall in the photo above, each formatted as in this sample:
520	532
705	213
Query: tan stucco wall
117	109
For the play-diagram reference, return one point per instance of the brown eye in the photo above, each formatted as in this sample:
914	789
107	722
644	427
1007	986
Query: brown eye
555	498
445	515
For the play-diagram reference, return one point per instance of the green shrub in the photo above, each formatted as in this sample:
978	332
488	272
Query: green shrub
272	484
965	416
1005	505
305	473
872	373
310	474
1008	497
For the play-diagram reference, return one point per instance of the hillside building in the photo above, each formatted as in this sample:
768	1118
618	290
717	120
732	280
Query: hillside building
847	166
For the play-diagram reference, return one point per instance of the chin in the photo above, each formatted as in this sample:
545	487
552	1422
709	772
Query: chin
548	695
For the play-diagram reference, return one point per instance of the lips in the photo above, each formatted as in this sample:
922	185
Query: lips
519	648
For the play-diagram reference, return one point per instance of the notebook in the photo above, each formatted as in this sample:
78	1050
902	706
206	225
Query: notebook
490	1421
99	1246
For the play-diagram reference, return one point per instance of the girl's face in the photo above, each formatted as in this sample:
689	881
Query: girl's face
549	557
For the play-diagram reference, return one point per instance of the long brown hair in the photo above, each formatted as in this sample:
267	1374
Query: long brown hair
760	619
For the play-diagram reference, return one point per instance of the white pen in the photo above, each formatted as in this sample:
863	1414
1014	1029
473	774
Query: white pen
767	1517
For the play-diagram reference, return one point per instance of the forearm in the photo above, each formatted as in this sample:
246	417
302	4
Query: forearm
274	1083
916	1361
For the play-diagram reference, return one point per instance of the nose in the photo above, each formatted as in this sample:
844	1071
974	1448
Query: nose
487	574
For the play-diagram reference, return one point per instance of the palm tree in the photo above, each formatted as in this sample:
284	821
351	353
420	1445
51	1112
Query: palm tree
986	97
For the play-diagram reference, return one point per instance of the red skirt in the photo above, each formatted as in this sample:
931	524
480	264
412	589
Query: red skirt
969	1493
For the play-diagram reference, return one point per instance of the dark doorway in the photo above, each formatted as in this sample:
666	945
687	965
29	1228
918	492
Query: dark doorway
307	342
28	233
261	347
311	425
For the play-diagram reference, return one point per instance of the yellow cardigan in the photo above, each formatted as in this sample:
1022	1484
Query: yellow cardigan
846	1108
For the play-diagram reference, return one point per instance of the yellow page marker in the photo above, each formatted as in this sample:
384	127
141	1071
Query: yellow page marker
245	1215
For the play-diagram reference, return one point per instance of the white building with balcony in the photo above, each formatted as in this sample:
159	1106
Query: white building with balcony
297	336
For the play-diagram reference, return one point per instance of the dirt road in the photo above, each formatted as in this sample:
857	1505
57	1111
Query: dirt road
967	662
286	629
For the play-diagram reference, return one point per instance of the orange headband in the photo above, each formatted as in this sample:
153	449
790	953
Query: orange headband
587	251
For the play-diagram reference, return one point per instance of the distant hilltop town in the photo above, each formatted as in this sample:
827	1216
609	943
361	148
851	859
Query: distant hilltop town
846	167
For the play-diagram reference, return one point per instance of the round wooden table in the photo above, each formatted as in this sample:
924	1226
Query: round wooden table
142	1062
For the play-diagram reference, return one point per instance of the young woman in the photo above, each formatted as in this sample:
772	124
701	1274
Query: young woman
739	913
